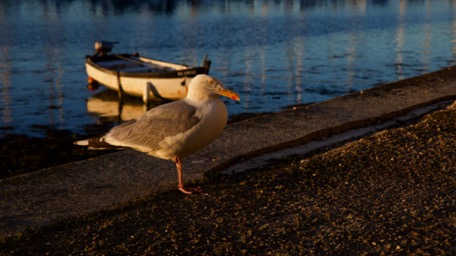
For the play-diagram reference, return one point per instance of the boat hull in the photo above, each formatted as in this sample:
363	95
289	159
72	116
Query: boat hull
143	77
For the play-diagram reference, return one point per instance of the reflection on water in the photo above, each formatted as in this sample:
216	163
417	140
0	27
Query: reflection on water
107	106
274	53
5	71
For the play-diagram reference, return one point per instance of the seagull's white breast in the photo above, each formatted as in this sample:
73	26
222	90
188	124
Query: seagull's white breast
213	117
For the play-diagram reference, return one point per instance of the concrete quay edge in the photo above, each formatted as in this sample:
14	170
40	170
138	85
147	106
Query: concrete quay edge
80	188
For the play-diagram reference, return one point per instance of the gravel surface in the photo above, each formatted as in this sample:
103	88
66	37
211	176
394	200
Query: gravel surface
390	193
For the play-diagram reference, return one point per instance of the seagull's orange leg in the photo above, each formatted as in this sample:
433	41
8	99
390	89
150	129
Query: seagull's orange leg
187	191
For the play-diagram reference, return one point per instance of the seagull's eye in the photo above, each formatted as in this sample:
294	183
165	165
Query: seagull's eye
211	81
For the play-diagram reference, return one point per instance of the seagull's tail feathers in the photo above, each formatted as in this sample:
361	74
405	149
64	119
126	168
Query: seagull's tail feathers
97	144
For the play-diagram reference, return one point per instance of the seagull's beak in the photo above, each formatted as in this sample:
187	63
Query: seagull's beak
229	94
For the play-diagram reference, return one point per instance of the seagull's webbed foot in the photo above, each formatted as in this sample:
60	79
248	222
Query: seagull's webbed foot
190	191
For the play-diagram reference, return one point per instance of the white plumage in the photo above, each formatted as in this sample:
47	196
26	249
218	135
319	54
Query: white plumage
174	130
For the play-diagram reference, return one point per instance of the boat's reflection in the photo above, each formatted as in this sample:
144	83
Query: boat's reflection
108	107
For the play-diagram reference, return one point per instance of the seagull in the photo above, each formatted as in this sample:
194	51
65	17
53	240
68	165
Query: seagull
174	130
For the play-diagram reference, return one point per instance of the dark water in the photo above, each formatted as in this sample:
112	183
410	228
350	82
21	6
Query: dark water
274	53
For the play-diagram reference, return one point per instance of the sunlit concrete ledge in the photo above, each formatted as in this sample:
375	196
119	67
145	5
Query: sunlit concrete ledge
80	188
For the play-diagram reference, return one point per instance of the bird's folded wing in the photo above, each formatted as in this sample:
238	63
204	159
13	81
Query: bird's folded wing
150	129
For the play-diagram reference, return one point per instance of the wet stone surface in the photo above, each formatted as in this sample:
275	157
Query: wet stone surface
20	154
389	193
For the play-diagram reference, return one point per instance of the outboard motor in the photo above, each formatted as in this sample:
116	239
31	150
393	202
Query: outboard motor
103	47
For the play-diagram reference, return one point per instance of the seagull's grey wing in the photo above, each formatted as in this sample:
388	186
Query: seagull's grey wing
153	126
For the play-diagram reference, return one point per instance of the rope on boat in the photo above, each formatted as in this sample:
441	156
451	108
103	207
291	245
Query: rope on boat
146	92
119	84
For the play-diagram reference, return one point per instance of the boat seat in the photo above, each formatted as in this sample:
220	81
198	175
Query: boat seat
142	69
112	63
126	66
136	69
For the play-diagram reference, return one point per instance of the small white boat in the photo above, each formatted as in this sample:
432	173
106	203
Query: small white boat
139	76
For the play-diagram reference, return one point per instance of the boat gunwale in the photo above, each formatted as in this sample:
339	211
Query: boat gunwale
187	71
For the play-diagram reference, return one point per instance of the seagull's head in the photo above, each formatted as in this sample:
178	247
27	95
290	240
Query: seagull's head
205	86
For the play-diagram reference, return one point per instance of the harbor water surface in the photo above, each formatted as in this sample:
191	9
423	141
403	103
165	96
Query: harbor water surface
273	53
